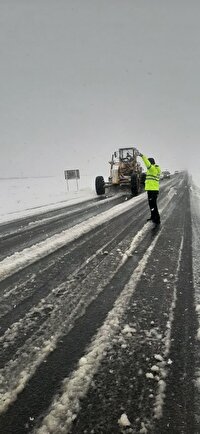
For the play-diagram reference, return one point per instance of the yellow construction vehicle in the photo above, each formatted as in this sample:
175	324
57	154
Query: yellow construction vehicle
125	172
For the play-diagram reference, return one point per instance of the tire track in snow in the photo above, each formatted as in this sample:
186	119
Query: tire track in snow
28	256
38	230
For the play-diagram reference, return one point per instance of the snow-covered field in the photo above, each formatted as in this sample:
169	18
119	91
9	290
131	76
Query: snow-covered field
26	196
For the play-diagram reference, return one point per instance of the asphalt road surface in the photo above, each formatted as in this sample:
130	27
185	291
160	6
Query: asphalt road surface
98	332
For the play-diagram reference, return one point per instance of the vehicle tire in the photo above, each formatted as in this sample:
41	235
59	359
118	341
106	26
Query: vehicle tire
100	185
134	184
143	179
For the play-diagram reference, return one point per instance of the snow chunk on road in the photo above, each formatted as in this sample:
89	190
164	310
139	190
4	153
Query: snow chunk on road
83	361
155	368
149	375
158	357
127	329
123	421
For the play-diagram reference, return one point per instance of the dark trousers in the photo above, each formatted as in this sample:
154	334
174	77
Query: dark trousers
152	199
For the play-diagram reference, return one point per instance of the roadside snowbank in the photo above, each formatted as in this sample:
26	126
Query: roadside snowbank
22	197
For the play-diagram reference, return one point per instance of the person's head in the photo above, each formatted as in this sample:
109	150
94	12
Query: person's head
151	160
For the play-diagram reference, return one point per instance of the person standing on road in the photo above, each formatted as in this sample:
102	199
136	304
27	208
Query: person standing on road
151	185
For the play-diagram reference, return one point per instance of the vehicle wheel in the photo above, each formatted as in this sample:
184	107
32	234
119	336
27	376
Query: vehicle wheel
100	185
143	179
134	184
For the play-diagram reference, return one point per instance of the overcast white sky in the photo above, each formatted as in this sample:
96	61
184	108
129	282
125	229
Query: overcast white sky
80	78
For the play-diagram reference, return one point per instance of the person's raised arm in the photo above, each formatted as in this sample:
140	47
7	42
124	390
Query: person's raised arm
145	159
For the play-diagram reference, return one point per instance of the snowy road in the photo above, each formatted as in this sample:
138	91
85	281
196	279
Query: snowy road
28	231
98	321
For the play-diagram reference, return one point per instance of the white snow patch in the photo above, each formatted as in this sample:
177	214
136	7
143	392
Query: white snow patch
155	368
127	329
123	420
149	375
159	399
158	357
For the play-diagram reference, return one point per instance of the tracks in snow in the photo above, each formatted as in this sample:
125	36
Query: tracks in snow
26	232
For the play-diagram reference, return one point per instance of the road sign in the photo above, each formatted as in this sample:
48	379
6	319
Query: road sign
72	174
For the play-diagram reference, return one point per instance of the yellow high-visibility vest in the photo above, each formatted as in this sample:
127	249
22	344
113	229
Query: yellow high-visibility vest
152	175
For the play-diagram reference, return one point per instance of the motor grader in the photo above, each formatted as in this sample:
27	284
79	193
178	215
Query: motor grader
125	172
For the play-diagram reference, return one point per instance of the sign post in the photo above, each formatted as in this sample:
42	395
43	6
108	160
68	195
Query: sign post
72	174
